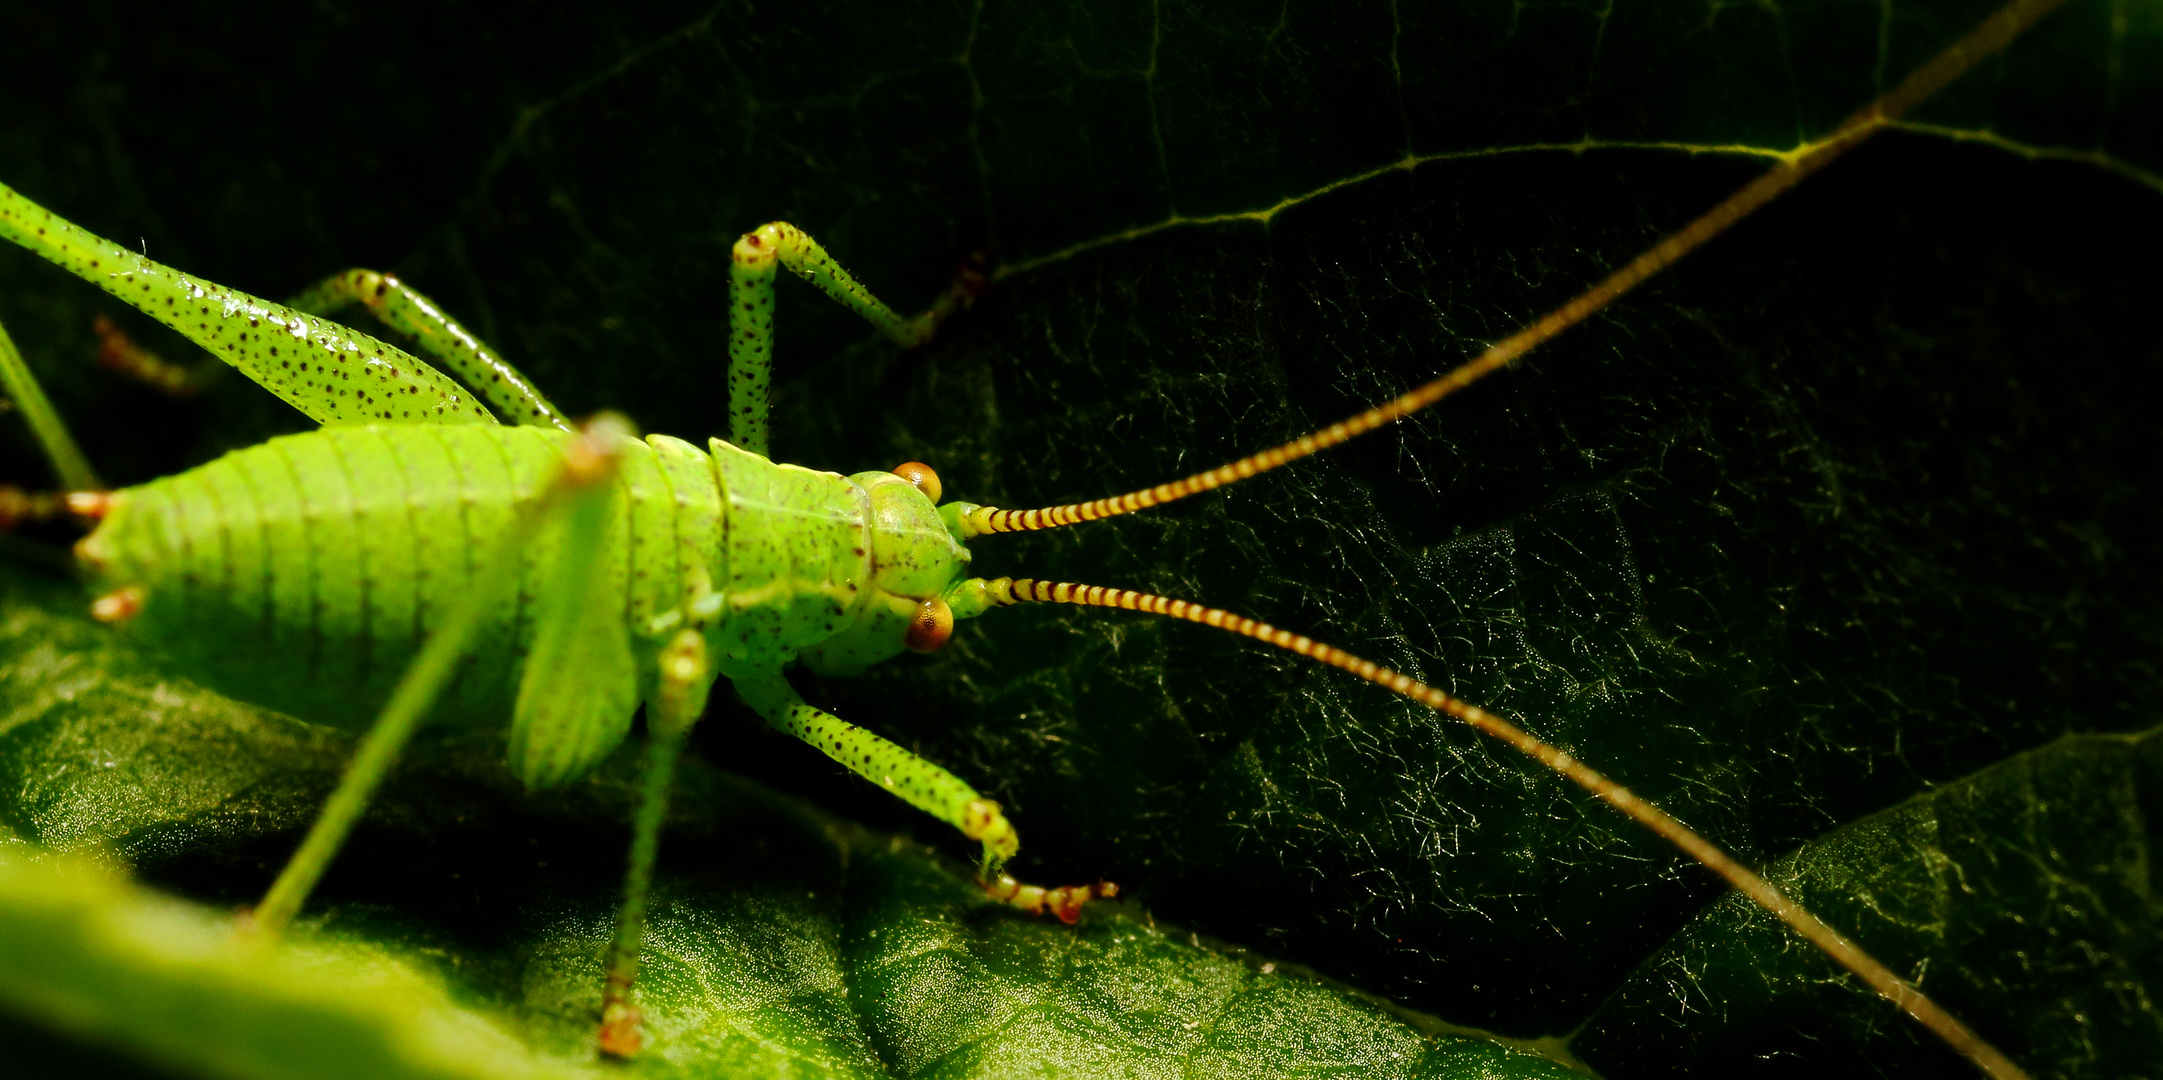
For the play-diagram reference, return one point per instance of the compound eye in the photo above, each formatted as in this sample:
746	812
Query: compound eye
920	474
934	623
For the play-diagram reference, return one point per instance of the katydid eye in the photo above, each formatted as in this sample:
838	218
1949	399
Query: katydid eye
934	623
920	474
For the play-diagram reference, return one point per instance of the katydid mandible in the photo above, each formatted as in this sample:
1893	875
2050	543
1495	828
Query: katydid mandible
415	552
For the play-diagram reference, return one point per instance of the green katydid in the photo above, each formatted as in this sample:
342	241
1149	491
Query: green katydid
308	572
544	759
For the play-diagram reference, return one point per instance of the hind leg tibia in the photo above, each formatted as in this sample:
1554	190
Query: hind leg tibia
405	310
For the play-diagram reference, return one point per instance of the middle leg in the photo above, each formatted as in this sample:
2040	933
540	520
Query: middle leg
751	315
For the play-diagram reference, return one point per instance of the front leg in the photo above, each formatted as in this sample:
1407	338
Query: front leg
923	785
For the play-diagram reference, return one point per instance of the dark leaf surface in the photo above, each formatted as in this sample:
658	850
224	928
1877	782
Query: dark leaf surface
2037	866
1854	507
463	932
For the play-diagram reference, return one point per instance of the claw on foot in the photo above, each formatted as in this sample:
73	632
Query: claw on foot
90	505
118	606
1064	901
620	1023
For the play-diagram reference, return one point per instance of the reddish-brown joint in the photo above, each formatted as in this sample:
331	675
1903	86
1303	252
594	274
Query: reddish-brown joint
1064	901
621	1035
90	505
118	606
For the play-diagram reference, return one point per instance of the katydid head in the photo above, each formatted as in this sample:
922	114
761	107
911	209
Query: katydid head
915	560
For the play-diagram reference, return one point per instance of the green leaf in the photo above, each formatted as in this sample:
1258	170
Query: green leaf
2040	864
137	971
1855	503
782	939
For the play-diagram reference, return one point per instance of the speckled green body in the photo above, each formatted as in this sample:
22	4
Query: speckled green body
304	573
413	561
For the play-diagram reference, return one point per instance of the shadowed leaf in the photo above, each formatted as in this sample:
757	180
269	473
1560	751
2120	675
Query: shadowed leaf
1857	502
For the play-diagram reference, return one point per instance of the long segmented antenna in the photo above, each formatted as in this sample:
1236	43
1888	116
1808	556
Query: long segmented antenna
1990	36
1007	591
973	521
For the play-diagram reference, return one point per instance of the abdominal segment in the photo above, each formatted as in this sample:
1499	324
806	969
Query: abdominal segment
303	573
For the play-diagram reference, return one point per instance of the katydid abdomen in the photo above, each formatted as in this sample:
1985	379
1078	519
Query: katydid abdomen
304	573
